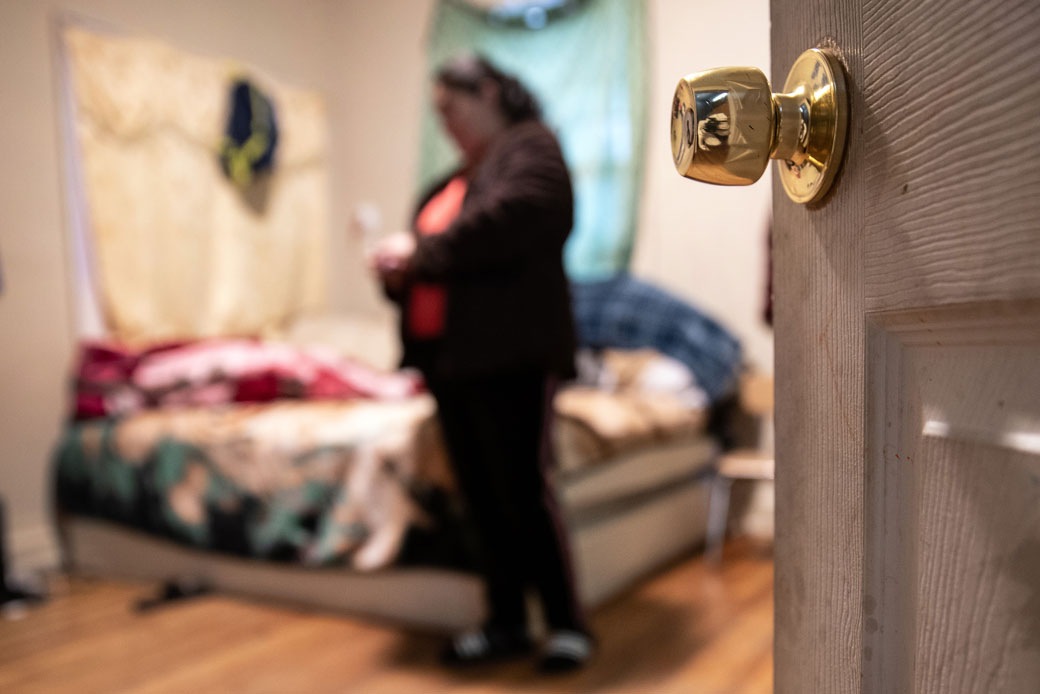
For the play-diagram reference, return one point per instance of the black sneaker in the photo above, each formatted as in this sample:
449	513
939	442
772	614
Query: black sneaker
566	651
487	645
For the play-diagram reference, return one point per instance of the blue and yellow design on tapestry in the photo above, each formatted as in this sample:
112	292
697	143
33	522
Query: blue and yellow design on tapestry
251	139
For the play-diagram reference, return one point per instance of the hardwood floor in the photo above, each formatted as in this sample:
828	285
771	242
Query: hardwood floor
691	628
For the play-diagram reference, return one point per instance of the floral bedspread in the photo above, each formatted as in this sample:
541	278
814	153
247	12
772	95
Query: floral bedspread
333	482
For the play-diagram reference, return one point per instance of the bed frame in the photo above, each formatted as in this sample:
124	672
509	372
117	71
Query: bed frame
628	517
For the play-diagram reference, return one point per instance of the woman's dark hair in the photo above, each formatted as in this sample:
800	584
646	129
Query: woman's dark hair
466	74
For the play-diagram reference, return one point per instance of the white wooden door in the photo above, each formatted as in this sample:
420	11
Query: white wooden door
908	358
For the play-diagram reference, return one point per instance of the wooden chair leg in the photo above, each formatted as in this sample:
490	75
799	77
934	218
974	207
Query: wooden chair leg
718	510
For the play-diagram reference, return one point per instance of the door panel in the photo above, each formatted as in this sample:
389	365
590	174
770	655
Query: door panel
953	501
908	359
950	118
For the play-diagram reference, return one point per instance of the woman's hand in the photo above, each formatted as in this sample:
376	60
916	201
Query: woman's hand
391	257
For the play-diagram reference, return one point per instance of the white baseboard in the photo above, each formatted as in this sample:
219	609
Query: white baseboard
33	548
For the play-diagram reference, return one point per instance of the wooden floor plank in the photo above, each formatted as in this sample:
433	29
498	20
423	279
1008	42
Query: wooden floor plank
691	628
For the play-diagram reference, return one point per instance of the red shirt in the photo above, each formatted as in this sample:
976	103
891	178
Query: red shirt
427	302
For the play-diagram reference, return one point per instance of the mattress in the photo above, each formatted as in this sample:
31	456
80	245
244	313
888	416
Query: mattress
361	482
319	483
617	538
593	490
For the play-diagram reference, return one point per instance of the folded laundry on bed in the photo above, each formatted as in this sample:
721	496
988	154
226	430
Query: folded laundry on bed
114	380
625	400
626	313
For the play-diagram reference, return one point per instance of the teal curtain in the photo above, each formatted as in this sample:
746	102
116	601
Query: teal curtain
587	66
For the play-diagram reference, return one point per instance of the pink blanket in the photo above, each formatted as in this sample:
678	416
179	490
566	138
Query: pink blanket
115	380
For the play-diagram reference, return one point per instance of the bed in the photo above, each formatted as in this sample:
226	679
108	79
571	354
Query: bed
346	501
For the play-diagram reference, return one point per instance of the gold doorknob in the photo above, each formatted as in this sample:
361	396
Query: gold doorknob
727	124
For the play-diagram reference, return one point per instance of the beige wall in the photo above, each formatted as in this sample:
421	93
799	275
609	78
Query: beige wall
34	320
379	71
367	56
706	243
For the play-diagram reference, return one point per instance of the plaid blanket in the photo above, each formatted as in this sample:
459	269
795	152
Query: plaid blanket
626	313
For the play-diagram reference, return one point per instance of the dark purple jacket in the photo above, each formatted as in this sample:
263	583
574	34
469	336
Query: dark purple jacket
501	262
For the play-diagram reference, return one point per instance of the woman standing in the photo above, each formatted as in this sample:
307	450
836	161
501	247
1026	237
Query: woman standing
486	316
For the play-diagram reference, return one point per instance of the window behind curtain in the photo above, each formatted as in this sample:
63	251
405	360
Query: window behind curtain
587	66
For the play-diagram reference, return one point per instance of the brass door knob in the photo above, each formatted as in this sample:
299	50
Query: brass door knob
727	124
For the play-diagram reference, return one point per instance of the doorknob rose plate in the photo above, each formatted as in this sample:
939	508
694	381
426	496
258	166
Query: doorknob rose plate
727	124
